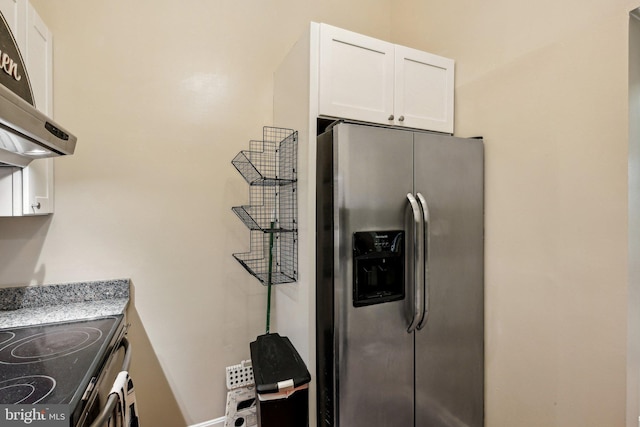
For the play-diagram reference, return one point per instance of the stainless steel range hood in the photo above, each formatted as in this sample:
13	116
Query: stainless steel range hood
27	134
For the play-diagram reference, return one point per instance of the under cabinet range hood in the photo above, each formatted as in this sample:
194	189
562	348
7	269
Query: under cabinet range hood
26	133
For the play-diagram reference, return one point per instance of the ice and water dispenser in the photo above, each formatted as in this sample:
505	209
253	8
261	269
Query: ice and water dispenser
378	267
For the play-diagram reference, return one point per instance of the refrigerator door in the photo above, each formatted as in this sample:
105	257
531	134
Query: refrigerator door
374	353
449	354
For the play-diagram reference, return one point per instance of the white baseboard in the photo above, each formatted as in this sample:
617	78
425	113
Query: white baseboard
218	422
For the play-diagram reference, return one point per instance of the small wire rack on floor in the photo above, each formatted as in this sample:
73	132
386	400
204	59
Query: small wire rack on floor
269	166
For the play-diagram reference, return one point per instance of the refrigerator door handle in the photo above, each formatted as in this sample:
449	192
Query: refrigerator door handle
425	260
416	252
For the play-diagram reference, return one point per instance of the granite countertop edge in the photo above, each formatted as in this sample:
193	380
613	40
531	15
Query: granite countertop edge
33	305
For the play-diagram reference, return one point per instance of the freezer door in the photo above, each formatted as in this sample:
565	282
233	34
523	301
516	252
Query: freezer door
450	347
374	353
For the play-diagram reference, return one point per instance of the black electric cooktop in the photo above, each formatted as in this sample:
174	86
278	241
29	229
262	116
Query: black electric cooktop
54	363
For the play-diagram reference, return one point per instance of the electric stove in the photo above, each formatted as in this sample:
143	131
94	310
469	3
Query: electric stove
54	363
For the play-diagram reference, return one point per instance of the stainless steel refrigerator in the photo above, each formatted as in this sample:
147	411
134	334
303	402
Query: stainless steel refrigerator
399	287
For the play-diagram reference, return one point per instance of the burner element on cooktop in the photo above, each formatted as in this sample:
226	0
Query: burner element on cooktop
6	336
46	346
28	389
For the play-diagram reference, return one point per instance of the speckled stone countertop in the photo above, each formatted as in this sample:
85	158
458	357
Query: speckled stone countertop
33	305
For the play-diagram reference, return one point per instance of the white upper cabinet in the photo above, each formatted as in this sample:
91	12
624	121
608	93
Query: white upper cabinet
423	90
38	176
363	78
356	76
29	191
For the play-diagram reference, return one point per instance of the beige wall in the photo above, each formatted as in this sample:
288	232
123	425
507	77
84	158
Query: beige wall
546	84
162	95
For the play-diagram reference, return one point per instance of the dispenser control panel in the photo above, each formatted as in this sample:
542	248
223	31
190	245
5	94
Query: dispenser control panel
378	267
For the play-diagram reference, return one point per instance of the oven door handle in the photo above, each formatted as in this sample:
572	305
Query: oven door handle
112	400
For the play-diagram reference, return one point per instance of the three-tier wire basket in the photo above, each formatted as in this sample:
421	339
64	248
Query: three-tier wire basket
269	167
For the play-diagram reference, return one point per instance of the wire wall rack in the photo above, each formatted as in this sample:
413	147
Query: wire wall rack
269	167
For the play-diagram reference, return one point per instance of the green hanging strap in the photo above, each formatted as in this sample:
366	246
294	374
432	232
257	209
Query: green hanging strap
270	271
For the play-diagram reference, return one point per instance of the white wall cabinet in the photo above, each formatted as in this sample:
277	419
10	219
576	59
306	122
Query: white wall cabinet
37	178
356	76
29	191
371	80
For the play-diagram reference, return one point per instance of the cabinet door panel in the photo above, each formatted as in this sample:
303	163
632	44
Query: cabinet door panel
356	76
39	61
14	12
424	90
6	191
38	176
37	188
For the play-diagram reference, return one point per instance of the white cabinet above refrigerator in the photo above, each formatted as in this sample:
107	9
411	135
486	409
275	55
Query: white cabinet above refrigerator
371	80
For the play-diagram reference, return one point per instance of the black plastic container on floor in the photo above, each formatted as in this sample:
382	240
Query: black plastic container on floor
282	382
